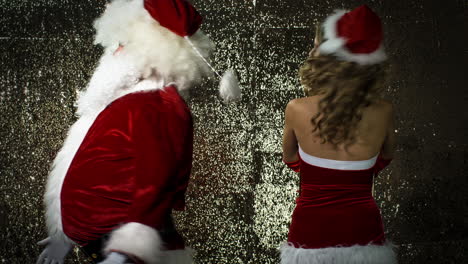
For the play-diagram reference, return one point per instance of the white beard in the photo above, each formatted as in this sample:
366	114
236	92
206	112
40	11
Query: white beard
114	77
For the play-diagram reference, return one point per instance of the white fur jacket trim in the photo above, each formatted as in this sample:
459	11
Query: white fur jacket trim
141	241
145	243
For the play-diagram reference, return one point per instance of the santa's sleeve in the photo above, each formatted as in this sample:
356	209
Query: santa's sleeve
156	140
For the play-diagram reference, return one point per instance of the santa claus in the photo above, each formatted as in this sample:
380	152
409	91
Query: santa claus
126	161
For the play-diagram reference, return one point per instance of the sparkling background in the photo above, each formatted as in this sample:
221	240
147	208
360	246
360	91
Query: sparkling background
241	196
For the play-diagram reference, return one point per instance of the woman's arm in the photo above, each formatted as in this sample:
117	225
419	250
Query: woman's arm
289	137
389	145
388	148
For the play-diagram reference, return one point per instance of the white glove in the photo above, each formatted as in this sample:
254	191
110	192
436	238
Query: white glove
55	251
114	258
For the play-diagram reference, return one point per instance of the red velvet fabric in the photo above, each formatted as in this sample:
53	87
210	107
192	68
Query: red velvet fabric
179	16
295	165
362	30
335	208
132	166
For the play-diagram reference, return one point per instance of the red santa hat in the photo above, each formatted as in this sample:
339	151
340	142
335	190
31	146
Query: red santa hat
354	36
180	17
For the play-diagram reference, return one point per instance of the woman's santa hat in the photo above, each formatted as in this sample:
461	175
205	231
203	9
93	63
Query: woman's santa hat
354	36
163	35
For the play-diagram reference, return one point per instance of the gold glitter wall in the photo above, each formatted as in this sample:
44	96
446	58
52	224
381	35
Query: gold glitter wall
241	195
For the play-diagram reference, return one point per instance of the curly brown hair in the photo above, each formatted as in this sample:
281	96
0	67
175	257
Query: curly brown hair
347	89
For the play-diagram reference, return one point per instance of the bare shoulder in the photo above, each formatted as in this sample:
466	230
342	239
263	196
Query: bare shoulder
301	103
292	106
294	103
293	110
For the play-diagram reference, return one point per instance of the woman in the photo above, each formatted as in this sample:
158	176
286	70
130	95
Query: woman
339	137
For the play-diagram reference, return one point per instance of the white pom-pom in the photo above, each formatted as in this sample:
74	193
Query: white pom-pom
229	88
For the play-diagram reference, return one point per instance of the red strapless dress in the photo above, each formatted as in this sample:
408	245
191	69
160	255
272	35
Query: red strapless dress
336	219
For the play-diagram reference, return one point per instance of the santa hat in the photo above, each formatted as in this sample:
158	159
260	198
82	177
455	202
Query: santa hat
354	36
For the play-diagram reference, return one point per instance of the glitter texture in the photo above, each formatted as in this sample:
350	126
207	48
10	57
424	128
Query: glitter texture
241	195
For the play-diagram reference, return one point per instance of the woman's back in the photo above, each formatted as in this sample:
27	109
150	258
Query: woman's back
335	206
374	133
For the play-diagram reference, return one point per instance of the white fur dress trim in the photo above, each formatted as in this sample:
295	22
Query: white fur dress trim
335	44
114	77
370	254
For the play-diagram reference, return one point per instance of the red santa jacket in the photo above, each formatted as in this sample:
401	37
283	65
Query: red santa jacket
131	170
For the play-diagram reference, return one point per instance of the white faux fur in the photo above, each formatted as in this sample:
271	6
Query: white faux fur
370	254
229	86
229	89
114	77
141	241
335	45
337	164
126	22
330	25
145	243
